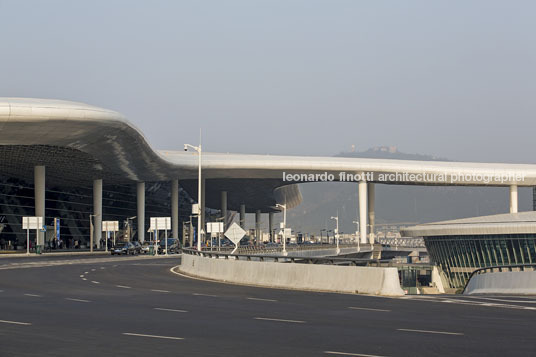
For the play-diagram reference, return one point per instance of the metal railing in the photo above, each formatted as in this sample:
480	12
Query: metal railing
285	258
279	249
500	269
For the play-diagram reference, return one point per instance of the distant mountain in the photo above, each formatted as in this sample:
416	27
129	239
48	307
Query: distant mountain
397	203
389	152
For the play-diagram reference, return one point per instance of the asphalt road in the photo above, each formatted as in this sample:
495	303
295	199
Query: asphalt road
138	307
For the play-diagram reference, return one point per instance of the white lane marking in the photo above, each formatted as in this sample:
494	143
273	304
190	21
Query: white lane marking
503	300
367	309
33	295
92	269
350	354
15	322
160	291
152	336
78	300
123	287
199	294
172	310
259	299
279	320
82	275
102	267
84	279
430	331
95	282
470	302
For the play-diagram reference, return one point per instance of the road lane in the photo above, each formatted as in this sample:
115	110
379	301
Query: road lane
221	317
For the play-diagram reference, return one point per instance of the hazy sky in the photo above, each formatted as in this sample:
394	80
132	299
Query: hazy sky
455	79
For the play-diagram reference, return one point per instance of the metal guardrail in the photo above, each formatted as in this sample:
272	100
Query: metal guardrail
499	269
285	258
279	249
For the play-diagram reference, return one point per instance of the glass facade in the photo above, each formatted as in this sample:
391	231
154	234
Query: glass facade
73	207
459	256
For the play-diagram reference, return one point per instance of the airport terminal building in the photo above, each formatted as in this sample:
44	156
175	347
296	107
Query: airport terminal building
461	246
78	162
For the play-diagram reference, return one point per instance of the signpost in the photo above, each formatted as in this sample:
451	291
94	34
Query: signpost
158	223
31	223
57	228
235	233
215	228
109	226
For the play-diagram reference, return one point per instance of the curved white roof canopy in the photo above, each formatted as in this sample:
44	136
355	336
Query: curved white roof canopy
78	142
507	223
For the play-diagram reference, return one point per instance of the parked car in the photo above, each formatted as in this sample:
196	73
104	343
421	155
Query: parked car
145	247
124	248
137	246
172	245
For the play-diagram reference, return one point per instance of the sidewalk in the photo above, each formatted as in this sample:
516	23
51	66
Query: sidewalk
20	253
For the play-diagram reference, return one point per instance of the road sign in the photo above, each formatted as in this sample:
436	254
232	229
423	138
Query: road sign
160	223
110	226
235	233
214	227
195	209
32	222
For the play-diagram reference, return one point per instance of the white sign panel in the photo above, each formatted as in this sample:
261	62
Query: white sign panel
110	226
215	227
32	222
235	233
195	208
160	223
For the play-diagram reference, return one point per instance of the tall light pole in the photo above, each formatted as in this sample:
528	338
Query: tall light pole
337	232
199	151
357	234
284	226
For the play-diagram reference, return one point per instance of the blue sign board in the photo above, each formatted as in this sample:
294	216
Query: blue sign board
57	228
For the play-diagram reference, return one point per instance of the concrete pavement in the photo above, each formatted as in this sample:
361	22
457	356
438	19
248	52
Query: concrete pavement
138	307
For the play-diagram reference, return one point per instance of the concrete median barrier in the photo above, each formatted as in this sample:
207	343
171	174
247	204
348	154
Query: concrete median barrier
346	279
510	282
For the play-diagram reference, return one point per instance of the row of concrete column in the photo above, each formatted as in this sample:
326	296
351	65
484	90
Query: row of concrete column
366	205
366	193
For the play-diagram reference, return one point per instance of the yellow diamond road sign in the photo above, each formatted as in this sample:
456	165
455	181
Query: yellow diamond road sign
235	233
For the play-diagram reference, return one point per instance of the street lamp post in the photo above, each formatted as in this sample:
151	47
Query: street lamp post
284	226
199	151
357	234
337	233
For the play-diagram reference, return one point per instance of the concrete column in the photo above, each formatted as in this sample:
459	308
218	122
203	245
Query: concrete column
224	208
175	208
371	218
140	190
258	237
243	216
271	225
39	193
97	212
513	198
363	211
